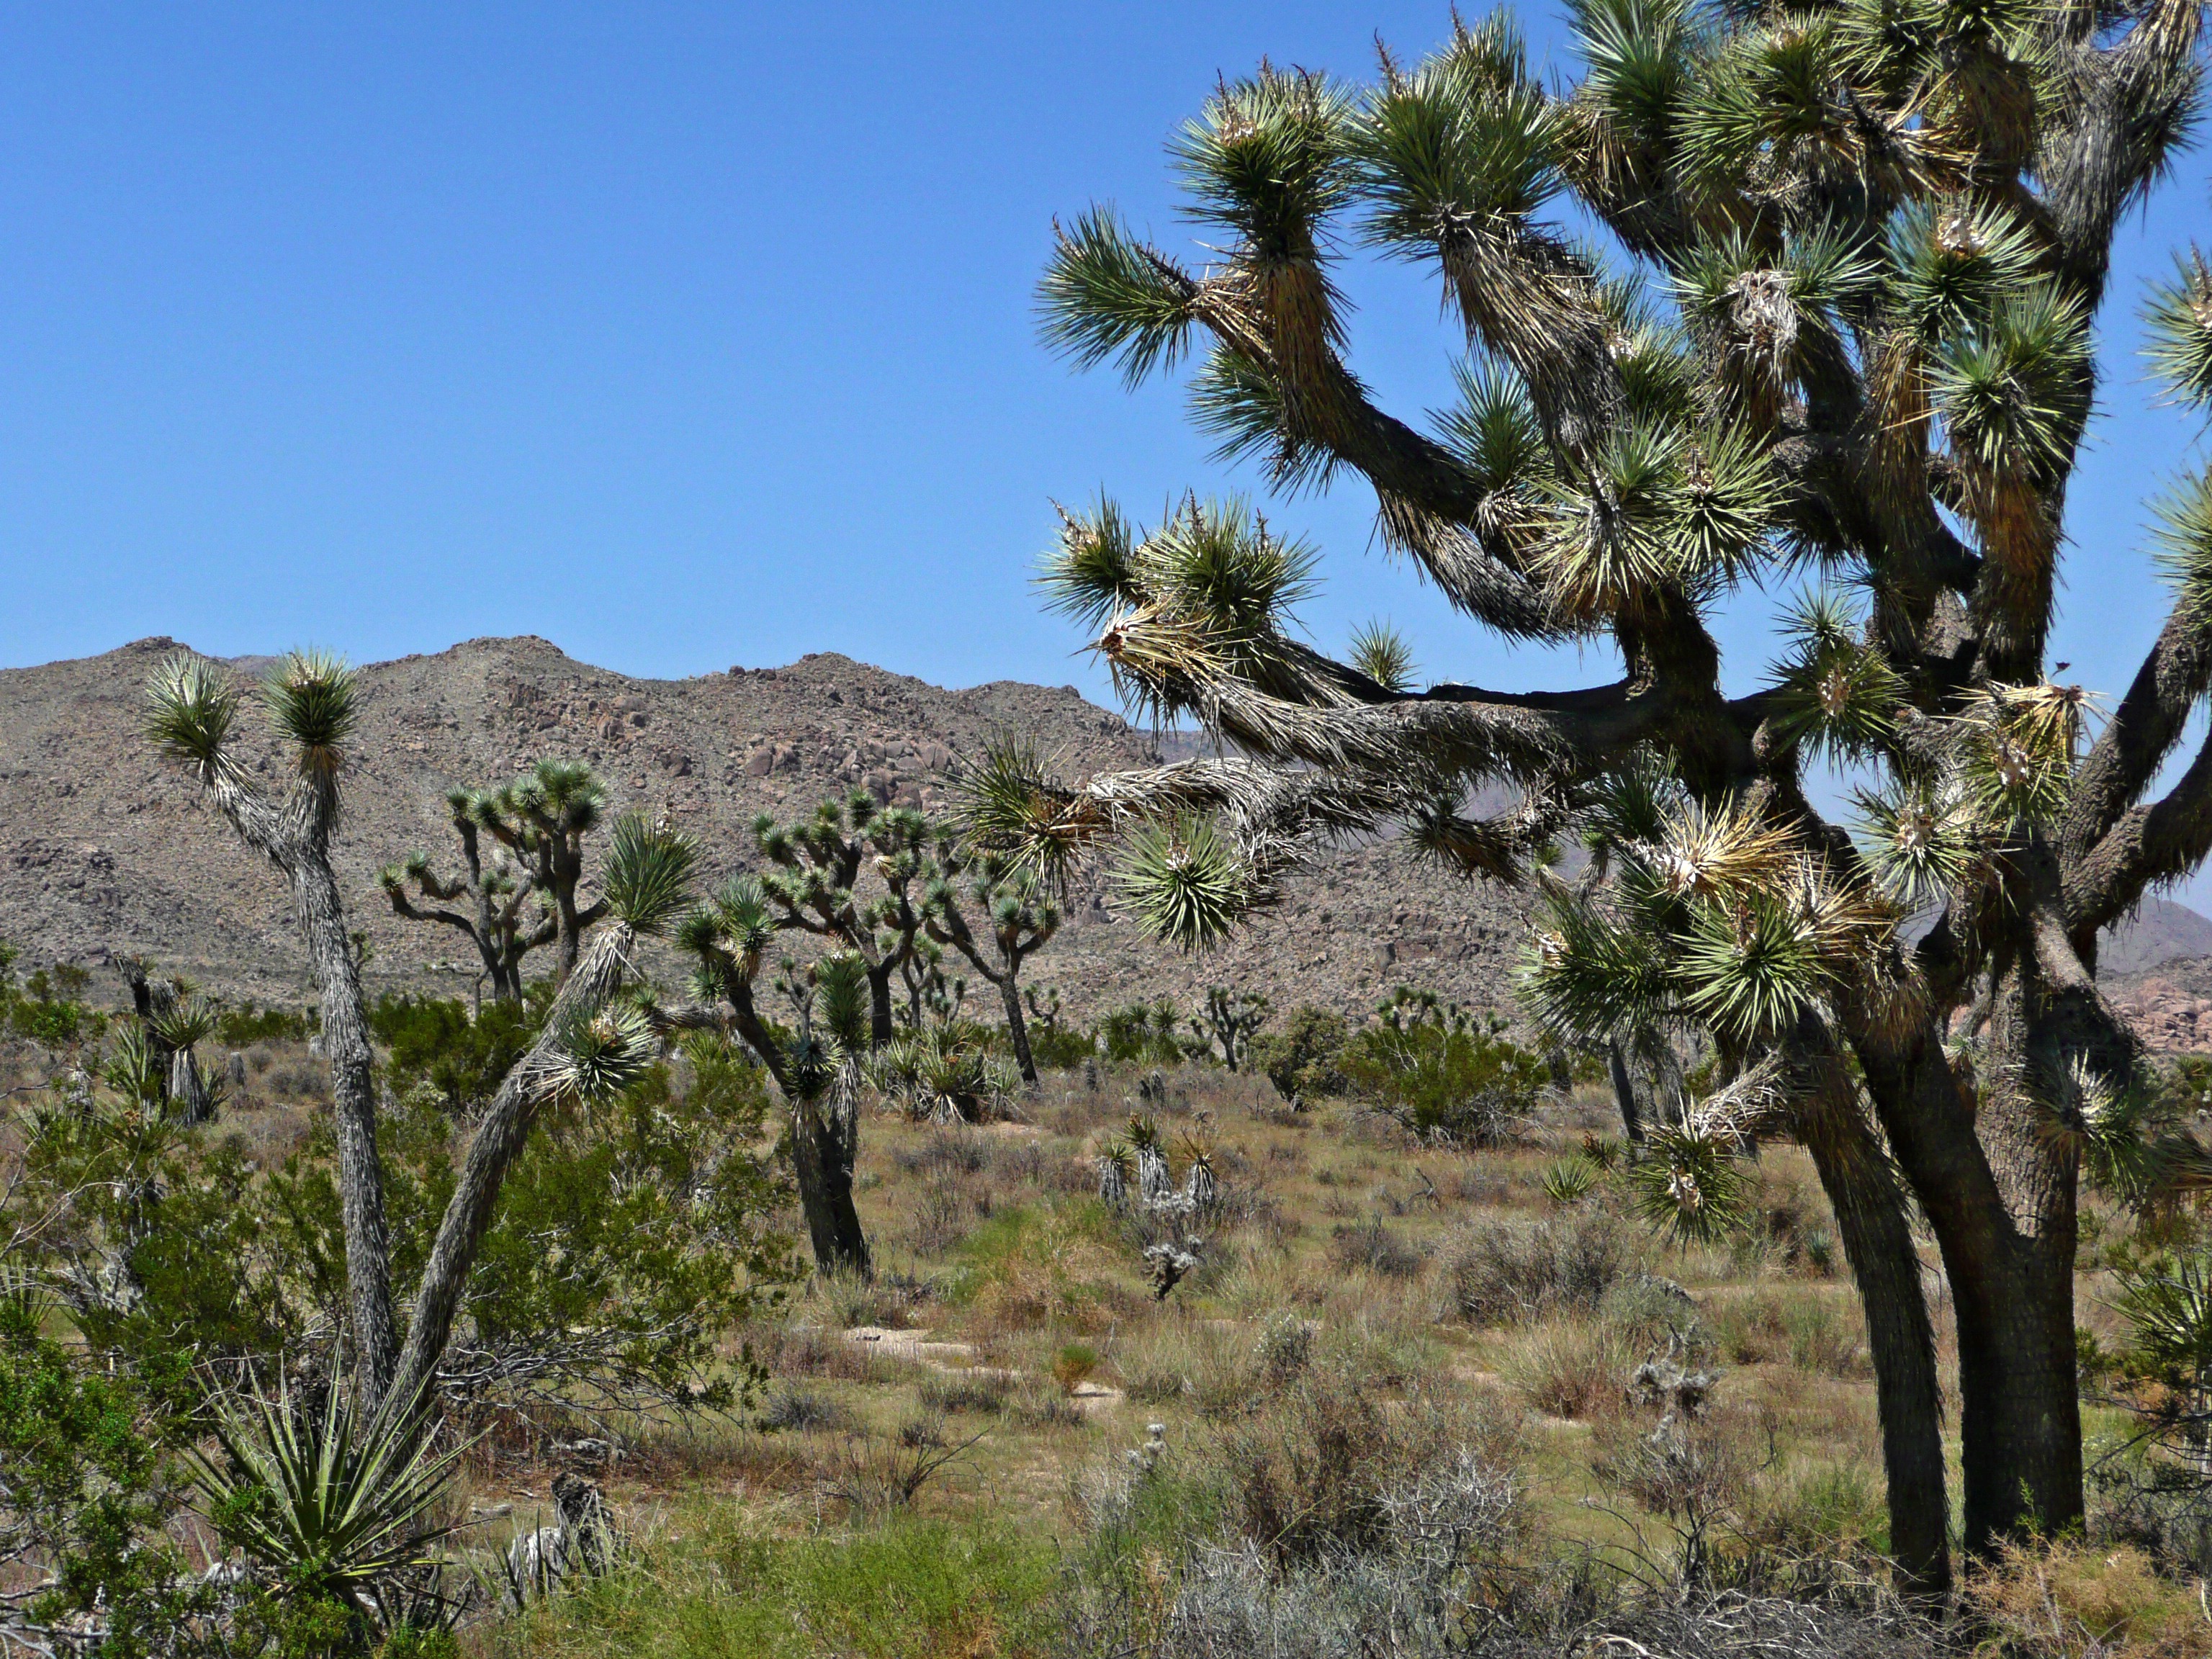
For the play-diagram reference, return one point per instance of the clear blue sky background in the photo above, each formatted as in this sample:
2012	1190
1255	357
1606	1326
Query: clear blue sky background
683	336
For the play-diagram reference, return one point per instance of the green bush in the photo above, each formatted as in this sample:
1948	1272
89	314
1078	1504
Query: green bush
1301	1059
627	1240
246	1024
1438	1073
46	1008
1061	1047
433	1039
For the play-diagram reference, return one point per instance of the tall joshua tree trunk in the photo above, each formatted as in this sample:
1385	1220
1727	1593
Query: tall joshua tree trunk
1018	1031
313	701
1868	1204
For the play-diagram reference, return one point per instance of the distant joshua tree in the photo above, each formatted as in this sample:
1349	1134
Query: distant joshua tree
543	818
495	921
816	1059
1227	1021
814	887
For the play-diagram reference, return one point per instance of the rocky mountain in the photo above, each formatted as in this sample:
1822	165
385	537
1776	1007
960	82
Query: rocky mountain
105	851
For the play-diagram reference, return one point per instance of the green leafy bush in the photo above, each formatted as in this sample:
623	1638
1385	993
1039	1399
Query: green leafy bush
246	1024
1301	1059
1438	1073
433	1039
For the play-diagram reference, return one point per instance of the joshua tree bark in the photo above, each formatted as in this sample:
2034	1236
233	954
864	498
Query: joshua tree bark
311	701
815	1063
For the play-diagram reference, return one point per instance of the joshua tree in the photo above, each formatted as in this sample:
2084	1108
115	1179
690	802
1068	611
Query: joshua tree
593	1044
1019	918
543	818
173	1020
815	1061
495	921
813	887
313	701
1227	1022
1864	248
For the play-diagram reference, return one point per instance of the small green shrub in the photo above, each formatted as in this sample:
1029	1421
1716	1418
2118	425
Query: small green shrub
1301	1059
1439	1074
432	1040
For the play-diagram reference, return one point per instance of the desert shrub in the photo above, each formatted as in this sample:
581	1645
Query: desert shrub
1322	1468
1650	1313
242	1026
1073	1365
46	1007
1439	1074
2068	1598
1300	1059
1571	1368
625	1240
1061	1047
1828	1510
88	1489
1496	1273
432	1040
803	1411
1141	1034
159	1237
1374	1249
1812	1331
978	1393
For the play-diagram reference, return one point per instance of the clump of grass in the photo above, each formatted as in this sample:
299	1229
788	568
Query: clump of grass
1373	1248
976	1393
1073	1365
1569	1367
2070	1598
1495	1274
803	1411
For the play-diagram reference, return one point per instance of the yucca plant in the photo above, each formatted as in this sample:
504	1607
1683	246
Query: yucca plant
1568	1181
1846	327
336	1503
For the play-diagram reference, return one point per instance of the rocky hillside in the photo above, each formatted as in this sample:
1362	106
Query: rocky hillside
104	851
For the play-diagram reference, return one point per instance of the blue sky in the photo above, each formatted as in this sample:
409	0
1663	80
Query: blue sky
685	337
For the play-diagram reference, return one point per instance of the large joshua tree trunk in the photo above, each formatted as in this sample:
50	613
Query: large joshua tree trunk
880	1028
499	1140
1868	1205
822	1155
1018	1031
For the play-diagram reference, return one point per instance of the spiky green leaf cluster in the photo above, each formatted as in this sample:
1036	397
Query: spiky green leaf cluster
1382	652
1691	1186
314	700
1835	690
602	1052
2178	320
191	710
1186	881
648	872
338	1500
2015	747
1922	842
